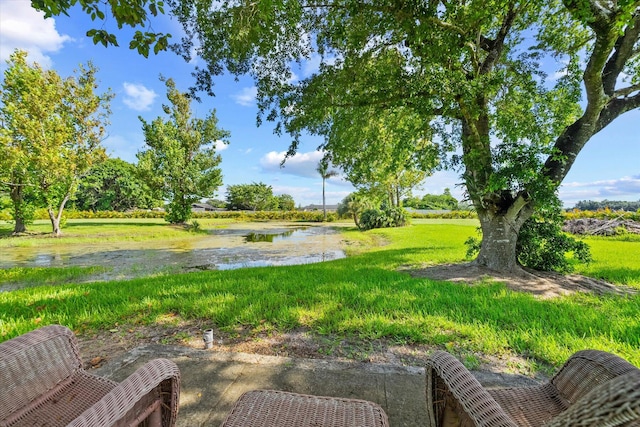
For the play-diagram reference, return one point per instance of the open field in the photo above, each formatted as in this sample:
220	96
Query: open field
366	296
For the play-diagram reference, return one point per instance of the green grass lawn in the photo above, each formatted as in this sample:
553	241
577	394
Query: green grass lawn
87	231
365	296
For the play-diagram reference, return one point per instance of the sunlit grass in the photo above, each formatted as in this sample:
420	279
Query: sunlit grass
38	276
87	231
615	259
363	296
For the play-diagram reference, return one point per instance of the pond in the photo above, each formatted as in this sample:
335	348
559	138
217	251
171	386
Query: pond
239	245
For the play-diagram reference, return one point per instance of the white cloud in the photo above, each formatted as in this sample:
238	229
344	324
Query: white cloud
246	97
301	164
305	196
625	188
138	97
25	28
220	145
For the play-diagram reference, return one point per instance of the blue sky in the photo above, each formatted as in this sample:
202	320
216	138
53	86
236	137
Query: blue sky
607	168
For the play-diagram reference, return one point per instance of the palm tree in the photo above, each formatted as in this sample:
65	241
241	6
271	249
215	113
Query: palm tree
325	173
354	204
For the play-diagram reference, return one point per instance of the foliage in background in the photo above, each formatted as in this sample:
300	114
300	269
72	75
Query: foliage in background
433	201
257	196
285	202
180	161
616	205
51	135
114	185
387	153
354	205
602	214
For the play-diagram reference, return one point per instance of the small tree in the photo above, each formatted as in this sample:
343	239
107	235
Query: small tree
255	197
286	202
51	133
325	173
181	161
354	205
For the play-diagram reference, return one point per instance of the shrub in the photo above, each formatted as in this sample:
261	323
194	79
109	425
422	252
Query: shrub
383	218
542	245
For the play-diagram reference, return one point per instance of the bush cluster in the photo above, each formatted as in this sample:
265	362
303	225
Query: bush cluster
467	214
383	218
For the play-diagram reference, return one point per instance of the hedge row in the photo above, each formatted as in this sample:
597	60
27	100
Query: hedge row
313	216
239	215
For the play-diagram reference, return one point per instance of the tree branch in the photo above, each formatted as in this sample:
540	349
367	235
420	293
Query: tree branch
624	50
617	107
624	92
497	45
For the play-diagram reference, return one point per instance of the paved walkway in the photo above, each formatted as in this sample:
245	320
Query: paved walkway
212	381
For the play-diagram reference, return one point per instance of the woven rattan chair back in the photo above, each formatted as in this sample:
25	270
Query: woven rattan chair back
43	384
593	388
33	364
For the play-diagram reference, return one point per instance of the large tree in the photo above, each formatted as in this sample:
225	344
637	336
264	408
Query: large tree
180	160
471	70
52	130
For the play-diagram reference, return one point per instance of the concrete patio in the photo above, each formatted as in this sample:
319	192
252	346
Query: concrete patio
212	381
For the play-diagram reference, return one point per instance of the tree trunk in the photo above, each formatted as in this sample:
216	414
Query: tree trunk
324	206
55	223
55	218
20	225
499	237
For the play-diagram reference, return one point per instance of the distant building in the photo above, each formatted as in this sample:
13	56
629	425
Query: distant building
203	207
428	211
332	208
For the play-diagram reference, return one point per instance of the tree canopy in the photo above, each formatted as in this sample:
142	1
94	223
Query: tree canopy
256	196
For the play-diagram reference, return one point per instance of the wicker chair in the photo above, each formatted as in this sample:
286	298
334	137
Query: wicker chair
593	388
42	383
273	408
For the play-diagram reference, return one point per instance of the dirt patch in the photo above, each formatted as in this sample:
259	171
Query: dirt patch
539	283
98	349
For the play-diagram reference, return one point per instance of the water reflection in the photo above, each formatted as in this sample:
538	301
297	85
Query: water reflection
223	249
274	237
